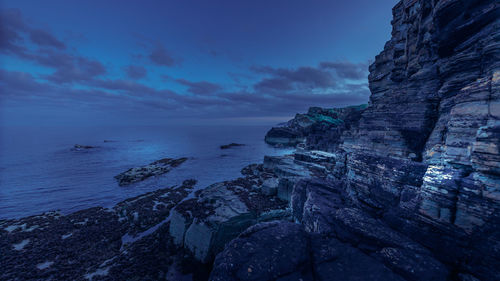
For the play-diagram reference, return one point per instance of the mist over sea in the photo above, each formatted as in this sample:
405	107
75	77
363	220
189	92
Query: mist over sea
40	171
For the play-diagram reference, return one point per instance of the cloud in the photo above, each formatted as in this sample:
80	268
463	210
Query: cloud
279	84
70	68
348	70
13	30
200	88
78	80
160	56
43	38
135	71
287	79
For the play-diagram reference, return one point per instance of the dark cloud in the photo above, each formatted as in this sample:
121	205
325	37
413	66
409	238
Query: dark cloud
160	56
135	71
15	83
279	84
348	70
263	91
200	88
288	79
13	29
70	68
43	38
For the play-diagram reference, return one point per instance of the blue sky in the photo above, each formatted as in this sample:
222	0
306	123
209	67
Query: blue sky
143	62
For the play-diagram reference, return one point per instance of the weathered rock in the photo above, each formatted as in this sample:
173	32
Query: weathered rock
220	212
156	168
284	251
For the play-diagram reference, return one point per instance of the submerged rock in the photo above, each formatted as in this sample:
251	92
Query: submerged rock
226	146
83	147
156	168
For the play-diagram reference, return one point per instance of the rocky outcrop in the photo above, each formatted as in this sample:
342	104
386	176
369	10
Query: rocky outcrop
414	183
233	144
218	213
317	128
129	241
156	168
284	251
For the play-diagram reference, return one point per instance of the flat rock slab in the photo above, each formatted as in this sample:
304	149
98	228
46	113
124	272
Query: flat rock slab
156	168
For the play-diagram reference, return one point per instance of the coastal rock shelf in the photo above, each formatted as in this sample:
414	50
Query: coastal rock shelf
125	242
156	168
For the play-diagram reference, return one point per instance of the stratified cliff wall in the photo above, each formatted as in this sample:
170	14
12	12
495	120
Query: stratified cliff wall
415	183
426	154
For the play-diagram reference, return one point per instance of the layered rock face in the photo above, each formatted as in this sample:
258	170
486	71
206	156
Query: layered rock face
415	184
426	154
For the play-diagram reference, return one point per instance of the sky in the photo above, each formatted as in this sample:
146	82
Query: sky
154	62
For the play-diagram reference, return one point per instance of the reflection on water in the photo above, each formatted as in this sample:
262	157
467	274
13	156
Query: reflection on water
39	170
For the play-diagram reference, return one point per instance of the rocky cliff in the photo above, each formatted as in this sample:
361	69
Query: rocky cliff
415	186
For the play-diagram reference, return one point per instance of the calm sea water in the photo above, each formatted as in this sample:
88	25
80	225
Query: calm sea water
39	170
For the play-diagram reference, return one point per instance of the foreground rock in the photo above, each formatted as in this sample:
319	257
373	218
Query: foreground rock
226	146
156	168
217	214
127	242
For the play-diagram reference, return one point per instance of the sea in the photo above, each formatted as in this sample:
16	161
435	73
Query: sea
41	171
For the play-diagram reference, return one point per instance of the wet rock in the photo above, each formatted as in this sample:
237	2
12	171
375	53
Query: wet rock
83	147
226	146
128	241
156	168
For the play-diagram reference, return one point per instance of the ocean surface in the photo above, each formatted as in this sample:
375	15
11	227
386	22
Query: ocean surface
40	171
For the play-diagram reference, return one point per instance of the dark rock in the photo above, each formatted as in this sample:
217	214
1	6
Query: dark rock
226	146
156	168
318	127
218	213
83	147
266	251
284	251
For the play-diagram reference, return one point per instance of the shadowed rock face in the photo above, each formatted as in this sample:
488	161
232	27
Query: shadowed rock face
414	183
319	128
